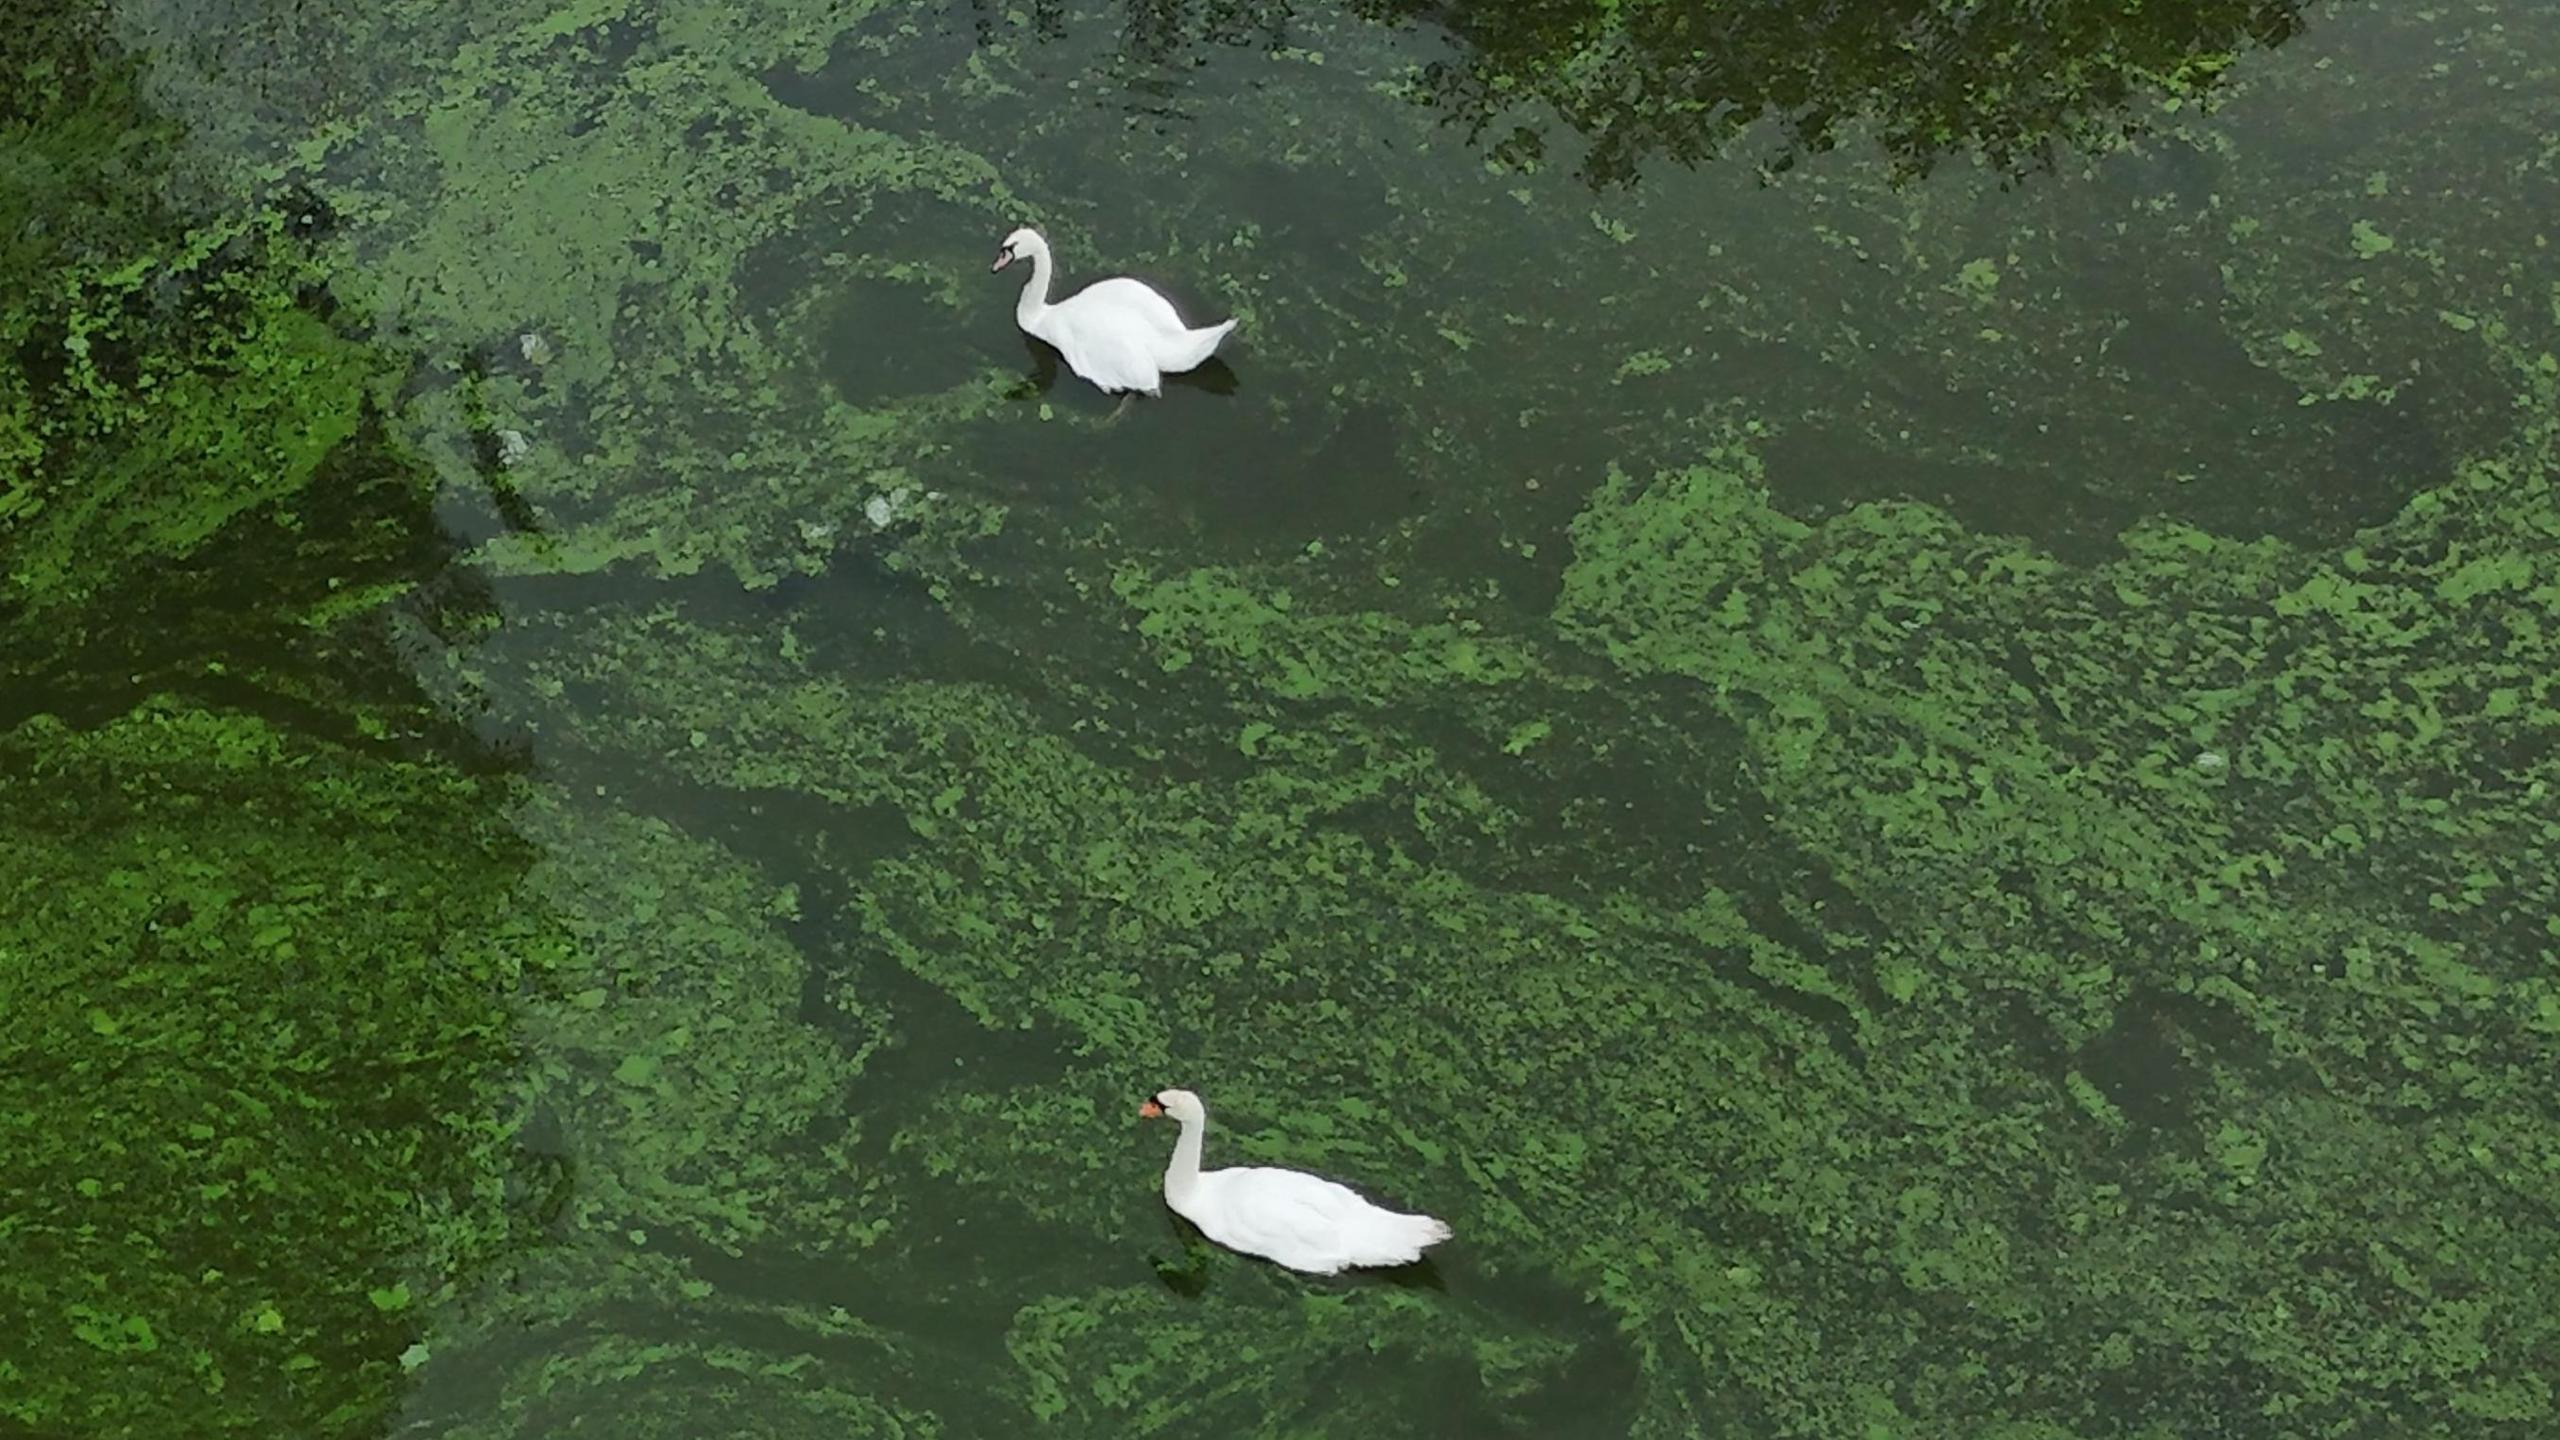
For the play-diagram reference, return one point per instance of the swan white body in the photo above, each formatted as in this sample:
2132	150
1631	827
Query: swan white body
1119	333
1303	1221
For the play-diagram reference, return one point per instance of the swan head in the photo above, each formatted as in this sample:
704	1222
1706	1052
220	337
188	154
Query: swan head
1182	1105
1022	244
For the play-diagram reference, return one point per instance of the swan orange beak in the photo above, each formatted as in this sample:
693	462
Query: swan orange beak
1149	1110
1003	258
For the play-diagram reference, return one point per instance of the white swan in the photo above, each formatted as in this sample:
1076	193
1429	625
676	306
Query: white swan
1119	334
1305	1222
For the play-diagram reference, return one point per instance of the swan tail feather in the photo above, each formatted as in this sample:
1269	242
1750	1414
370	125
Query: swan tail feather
1403	1242
1196	346
1428	1232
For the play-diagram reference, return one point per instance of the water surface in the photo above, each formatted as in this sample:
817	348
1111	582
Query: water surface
1867	685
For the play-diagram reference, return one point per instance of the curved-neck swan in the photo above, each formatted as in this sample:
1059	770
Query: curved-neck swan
1119	333
1305	1222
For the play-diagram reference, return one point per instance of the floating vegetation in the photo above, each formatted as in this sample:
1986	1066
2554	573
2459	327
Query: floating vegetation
1912	782
889	507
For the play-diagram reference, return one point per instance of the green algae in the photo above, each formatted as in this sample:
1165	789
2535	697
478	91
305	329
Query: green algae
669	1061
171	379
2042	776
682	1118
2071	960
209	920
248	941
1081	1367
646	1388
285	1127
644	217
214	925
1166	920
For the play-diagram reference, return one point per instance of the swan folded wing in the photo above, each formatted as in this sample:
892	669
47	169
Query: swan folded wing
1303	1221
1112	353
1134	301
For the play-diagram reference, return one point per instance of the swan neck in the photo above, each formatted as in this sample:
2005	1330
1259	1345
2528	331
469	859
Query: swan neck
1035	291
1183	1175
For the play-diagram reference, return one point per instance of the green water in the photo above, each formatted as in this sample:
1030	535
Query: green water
1870	686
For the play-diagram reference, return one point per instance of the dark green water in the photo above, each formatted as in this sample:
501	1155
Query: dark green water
1868	685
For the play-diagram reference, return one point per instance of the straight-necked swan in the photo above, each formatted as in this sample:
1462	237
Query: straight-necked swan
1305	1222
1118	333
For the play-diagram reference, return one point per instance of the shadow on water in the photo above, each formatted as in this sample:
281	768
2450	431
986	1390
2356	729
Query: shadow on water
1213	378
1681	81
1644	81
227	623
